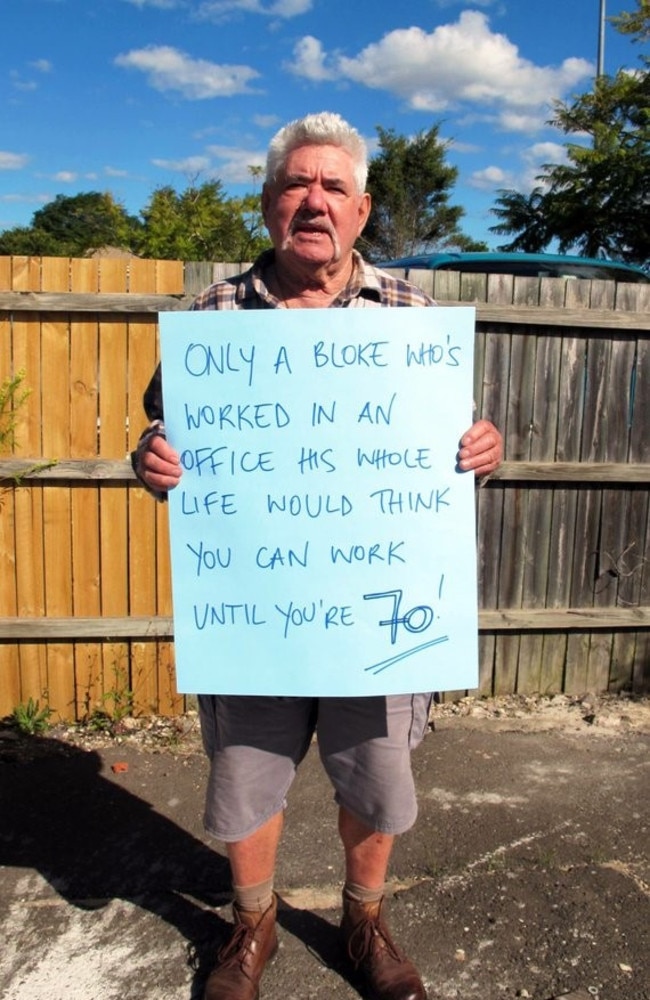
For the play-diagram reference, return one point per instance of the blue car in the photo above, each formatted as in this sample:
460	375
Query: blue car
535	265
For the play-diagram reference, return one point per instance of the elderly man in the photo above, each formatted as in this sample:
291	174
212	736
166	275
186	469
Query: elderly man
315	206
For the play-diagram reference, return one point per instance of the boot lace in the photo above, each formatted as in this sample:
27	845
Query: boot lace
234	951
369	938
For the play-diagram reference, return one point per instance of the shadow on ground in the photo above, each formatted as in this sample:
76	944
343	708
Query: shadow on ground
94	842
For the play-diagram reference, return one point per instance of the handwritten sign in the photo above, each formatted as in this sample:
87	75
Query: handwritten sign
322	538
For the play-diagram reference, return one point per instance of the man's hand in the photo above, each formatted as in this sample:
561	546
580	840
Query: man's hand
159	465
481	449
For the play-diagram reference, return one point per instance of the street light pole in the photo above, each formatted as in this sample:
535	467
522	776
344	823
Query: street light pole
601	41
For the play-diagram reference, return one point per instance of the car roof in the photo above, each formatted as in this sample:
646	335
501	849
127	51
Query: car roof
534	264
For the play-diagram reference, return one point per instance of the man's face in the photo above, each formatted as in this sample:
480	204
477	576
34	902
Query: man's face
313	211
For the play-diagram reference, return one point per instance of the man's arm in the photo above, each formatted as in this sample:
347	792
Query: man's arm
155	462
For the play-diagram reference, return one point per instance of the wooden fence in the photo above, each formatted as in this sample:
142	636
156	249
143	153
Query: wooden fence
562	366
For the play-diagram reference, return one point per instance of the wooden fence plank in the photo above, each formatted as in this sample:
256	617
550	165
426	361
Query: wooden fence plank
170	277
141	516
120	471
495	619
555	422
636	586
57	504
28	503
10	672
26	274
525	315
619	527
595	446
492	401
5	274
491	396
113	440
85	501
563	528
170	701
166	661
10	693
515	541
641	675
10	688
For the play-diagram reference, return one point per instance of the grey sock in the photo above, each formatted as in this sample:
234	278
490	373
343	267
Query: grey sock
254	897
360	894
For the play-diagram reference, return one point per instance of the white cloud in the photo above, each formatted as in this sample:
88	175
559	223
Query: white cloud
230	164
234	163
266	121
168	69
289	8
13	161
161	4
190	165
546	152
533	158
26	199
491	178
525	123
115	172
219	10
526	177
42	65
309	61
462	63
475	3
65	176
463	147
19	84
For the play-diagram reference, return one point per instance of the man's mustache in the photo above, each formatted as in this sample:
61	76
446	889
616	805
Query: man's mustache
302	223
319	226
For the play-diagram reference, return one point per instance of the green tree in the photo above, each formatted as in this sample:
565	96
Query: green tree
72	226
636	22
29	242
200	223
597	202
410	185
85	222
525	215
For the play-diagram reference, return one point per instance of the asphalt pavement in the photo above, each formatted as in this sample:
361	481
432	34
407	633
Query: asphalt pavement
527	874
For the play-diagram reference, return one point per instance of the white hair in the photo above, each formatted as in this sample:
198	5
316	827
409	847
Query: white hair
323	129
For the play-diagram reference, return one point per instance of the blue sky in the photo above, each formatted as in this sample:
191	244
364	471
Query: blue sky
130	95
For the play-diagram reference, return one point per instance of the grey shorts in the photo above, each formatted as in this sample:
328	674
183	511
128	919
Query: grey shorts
255	745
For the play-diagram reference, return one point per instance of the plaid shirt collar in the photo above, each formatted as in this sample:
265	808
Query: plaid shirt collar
364	281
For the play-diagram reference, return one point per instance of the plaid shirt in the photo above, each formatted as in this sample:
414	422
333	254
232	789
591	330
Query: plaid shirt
368	288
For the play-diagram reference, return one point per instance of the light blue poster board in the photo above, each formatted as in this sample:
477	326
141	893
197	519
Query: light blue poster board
322	538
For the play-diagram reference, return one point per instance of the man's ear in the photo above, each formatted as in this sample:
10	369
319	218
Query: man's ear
364	211
265	199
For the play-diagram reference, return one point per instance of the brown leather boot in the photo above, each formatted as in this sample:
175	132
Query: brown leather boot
242	960
386	971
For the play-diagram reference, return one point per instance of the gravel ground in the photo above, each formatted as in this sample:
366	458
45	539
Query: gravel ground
588	713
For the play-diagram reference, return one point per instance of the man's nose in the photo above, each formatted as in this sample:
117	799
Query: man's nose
314	199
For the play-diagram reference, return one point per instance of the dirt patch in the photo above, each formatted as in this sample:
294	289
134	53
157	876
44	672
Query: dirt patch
588	713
